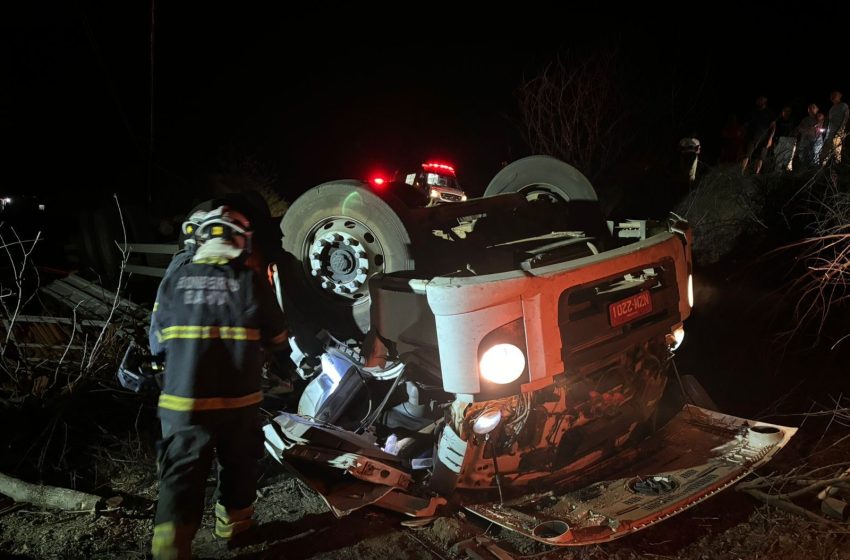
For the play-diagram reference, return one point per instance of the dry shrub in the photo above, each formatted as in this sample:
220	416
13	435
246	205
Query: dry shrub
821	279
723	208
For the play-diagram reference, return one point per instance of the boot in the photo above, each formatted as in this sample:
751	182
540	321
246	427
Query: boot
172	541
230	522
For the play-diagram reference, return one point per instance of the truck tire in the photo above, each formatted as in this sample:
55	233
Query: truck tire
542	176
340	234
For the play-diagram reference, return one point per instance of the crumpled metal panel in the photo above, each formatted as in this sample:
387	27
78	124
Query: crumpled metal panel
343	495
697	454
300	430
567	426
345	469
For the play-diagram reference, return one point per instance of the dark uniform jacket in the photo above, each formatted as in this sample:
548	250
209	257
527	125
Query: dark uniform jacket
210	320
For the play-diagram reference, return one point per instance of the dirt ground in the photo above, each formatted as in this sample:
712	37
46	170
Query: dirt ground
294	523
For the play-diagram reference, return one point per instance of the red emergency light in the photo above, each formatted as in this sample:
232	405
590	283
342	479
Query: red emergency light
439	167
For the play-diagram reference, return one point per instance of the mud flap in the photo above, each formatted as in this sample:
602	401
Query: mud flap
697	454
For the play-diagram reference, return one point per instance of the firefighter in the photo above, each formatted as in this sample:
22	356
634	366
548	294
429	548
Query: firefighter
188	246
210	318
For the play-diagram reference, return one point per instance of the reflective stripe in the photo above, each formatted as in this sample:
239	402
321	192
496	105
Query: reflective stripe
199	332
185	404
211	260
155	305
164	543
227	515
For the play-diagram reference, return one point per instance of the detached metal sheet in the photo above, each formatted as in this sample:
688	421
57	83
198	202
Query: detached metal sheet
697	454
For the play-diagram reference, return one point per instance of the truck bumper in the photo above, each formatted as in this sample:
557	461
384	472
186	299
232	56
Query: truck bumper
697	454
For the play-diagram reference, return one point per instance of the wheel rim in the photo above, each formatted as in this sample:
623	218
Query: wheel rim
341	254
540	191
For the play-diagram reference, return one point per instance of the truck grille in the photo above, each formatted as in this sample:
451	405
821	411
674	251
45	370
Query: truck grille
450	197
585	324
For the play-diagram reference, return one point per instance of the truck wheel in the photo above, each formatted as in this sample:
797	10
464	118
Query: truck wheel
542	177
341	234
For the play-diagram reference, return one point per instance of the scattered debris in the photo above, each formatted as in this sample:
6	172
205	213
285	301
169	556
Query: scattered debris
47	496
50	339
418	523
90	301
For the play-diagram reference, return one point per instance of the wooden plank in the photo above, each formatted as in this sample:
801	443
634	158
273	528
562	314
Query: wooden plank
92	300
154	248
145	270
54	320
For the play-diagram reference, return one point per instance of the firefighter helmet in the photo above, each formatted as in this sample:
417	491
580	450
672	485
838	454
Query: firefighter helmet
226	224
190	226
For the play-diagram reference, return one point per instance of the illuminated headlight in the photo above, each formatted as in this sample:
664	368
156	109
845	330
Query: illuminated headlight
434	194
463	198
675	338
486	422
502	363
691	290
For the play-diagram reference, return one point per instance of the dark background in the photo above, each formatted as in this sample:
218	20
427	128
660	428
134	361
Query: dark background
346	102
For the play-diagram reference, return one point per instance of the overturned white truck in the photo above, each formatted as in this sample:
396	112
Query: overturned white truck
508	353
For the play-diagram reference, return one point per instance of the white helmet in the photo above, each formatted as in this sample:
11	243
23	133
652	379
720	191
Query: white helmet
226	224
191	225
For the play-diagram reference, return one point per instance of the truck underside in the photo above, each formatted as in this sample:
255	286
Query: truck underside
516	349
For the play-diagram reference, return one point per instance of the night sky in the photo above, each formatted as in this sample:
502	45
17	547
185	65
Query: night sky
232	83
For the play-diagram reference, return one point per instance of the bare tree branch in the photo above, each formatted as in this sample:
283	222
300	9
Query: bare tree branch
572	111
125	254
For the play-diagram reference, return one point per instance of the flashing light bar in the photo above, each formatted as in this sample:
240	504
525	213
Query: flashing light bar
438	166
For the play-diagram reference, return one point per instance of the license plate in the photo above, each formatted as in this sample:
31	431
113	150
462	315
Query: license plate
625	310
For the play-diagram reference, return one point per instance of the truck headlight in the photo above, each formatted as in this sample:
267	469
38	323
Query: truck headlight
691	290
502	363
675	338
487	421
433	193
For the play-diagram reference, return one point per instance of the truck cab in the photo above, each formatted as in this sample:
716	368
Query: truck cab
509	352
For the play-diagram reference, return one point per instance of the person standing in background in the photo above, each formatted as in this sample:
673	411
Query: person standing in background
759	135
807	133
786	140
835	130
